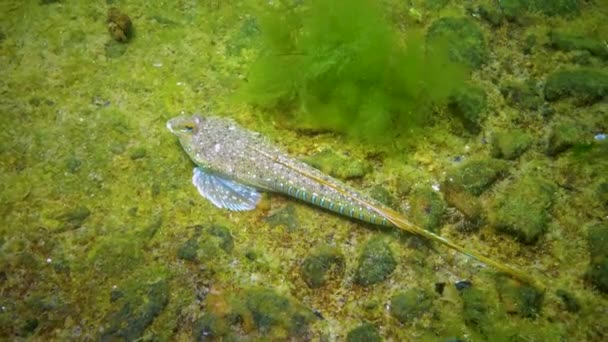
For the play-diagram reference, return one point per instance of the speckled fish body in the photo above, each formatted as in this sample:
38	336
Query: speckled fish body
227	153
234	164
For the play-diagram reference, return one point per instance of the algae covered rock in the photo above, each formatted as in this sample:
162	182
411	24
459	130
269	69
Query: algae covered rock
337	165
426	208
510	144
522	95
585	85
469	105
271	311
321	264
598	252
562	136
137	312
366	332
514	9
376	263
520	299
475	176
411	304
475	309
208	241
465	41
521	209
571	42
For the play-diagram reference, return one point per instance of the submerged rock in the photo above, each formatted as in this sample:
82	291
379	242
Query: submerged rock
586	85
409	305
376	263
523	300
426	208
521	209
562	136
321	264
465	41
469	105
510	144
475	176
119	25
571	42
598	253
366	332
136	314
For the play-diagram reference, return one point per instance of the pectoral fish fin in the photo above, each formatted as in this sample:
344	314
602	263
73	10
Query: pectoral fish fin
225	193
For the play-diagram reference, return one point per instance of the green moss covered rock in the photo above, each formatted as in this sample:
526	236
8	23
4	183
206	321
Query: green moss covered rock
376	263
523	300
272	312
563	135
136	313
475	310
510	144
567	41
521	208
321	264
585	85
522	95
475	176
409	305
469	105
426	208
366	332
598	252
466	43
514	9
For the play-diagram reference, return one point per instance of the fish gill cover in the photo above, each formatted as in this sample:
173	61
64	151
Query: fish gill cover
342	66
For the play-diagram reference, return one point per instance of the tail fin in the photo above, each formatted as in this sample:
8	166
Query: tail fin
400	222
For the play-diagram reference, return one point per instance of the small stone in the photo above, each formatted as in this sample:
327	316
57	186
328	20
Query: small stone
270	310
510	144
376	263
321	264
521	209
119	25
409	305
366	332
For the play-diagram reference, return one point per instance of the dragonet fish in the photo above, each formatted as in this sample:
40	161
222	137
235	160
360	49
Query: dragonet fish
234	164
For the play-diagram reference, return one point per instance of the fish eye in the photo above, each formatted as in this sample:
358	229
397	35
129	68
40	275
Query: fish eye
187	128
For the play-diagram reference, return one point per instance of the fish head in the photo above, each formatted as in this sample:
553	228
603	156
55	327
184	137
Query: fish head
186	129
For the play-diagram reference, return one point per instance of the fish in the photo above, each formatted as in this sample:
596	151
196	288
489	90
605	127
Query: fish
234	165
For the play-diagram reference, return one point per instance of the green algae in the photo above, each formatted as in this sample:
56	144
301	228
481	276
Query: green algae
349	72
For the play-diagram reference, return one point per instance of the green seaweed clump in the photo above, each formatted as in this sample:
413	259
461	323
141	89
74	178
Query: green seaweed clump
341	66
